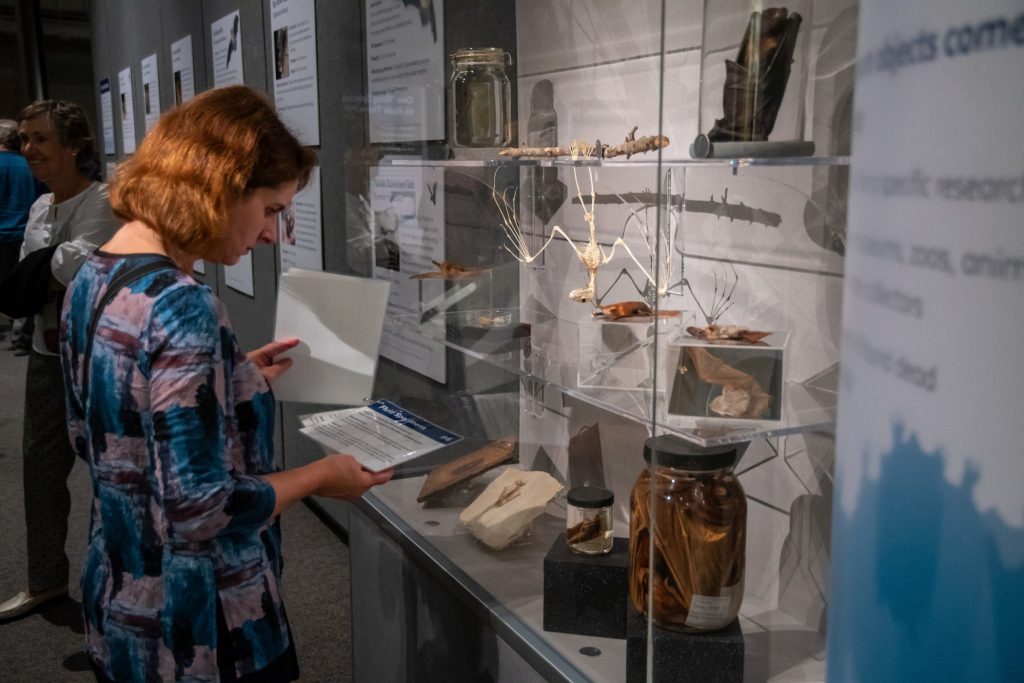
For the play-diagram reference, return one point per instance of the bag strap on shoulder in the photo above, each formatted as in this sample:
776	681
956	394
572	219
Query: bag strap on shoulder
123	278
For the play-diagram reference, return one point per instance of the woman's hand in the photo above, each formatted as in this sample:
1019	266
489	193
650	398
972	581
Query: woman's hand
264	358
344	478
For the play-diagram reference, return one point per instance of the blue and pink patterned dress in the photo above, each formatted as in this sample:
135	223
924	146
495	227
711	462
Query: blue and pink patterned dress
177	426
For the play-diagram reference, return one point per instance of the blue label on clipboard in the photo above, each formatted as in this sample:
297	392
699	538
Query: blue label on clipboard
398	414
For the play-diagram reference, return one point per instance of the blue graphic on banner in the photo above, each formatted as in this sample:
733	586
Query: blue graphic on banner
925	586
402	416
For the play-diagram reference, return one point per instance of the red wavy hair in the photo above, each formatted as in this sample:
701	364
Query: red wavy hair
200	159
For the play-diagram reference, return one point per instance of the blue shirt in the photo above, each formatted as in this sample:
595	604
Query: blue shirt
177	429
18	190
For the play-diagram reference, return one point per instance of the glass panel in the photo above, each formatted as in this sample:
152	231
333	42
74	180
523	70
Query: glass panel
568	282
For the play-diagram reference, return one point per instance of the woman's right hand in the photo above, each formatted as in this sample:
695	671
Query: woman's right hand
344	478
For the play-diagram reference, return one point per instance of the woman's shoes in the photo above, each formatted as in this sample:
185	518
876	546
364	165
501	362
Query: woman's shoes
24	602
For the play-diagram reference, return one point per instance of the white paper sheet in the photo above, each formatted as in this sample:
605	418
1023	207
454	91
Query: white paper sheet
293	35
338	319
379	436
181	70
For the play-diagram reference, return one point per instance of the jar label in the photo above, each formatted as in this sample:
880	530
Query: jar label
708	611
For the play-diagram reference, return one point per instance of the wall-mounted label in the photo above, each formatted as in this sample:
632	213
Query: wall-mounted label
293	35
405	70
226	52
300	230
181	70
150	91
107	114
127	110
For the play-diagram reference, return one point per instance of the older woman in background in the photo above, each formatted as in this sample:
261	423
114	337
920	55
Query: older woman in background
182	579
74	217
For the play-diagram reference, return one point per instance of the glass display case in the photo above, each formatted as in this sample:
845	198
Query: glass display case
582	290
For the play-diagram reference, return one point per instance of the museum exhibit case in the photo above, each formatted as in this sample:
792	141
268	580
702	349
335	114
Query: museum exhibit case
569	280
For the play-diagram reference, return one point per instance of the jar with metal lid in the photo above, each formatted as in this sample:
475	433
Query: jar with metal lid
687	541
588	520
480	98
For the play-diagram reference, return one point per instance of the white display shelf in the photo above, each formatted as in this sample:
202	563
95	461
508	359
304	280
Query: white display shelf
549	352
644	160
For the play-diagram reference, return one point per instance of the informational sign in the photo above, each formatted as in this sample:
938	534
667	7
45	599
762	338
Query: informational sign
150	91
928	525
300	229
127	110
293	33
239	276
107	114
405	70
407	205
379	436
181	70
226	41
226	52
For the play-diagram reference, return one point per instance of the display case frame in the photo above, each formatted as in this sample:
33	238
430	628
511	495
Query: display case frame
542	365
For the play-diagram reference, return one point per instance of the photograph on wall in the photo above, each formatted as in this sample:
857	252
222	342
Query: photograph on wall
405	70
150	91
124	86
107	114
281	65
296	97
181	68
226	40
300	229
407	221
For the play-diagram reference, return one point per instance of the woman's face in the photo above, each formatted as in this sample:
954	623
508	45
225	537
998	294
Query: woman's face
254	219
47	158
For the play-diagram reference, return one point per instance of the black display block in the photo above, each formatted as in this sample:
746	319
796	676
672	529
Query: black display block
715	657
586	594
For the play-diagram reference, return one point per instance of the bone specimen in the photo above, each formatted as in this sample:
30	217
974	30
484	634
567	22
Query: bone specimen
727	332
631	309
449	270
592	255
632	145
507	507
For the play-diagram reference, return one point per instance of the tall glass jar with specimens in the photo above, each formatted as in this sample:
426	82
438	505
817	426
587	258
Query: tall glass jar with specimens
480	98
687	541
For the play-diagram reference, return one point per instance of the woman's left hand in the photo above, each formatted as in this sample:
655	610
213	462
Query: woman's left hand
264	358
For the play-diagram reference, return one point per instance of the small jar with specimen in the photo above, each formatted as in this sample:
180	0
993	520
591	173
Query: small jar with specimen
689	505
588	521
480	98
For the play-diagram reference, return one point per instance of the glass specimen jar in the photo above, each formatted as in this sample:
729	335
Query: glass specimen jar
480	98
687	541
588	521
753	78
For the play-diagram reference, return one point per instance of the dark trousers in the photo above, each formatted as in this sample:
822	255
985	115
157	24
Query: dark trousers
48	459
